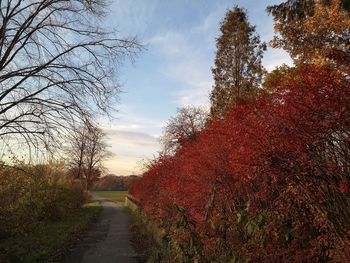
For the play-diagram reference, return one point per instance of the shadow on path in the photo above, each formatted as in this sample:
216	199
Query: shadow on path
108	240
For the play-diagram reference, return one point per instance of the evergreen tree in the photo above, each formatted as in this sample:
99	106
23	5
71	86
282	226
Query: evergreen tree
238	70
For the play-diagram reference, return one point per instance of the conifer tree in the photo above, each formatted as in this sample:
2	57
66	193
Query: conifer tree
238	69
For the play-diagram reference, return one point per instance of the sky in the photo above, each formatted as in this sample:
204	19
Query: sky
173	70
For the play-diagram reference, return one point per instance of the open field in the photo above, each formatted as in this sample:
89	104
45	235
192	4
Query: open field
114	196
40	244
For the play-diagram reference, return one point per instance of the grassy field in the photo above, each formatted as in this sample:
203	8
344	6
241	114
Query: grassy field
114	196
47	237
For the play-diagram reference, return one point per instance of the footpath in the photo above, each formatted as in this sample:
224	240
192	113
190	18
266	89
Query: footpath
108	240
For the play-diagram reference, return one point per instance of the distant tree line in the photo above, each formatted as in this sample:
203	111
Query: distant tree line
114	183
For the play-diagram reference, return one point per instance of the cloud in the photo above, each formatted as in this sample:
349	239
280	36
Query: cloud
129	148
209	24
132	118
123	165
186	65
276	57
132	139
172	44
195	96
133	17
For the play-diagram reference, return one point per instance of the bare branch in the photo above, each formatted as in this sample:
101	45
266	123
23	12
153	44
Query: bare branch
57	67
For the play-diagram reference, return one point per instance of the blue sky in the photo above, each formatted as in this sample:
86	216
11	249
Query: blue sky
173	71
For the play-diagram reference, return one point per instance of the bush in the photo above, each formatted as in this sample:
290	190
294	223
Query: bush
30	195
269	183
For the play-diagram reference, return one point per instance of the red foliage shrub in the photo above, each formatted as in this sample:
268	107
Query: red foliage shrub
270	182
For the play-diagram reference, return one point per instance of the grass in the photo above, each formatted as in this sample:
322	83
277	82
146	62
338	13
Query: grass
113	196
47	237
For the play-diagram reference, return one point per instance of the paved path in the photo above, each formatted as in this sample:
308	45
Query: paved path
108	240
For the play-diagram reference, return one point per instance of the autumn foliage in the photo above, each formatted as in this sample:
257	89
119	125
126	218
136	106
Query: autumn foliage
268	183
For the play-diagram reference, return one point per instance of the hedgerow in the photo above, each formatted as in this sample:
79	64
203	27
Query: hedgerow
268	183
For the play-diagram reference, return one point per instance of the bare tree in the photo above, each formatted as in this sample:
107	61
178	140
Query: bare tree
57	66
182	128
86	153
76	150
96	154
